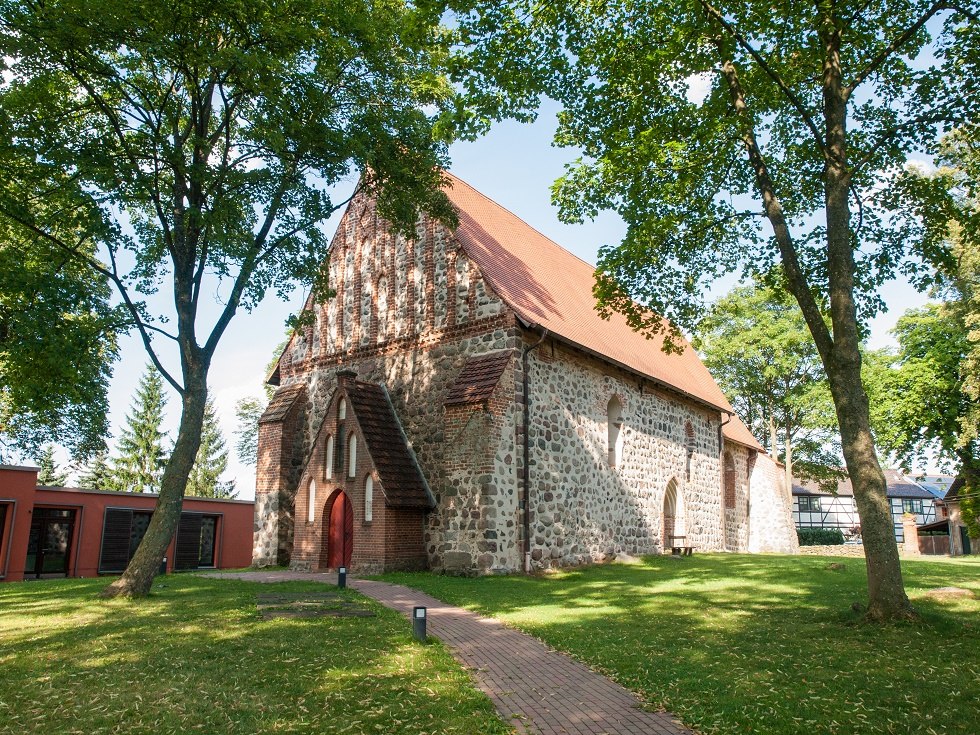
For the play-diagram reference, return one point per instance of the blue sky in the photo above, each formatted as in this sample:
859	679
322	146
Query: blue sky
514	165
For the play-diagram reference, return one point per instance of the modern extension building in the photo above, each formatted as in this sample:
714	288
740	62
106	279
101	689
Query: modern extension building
70	532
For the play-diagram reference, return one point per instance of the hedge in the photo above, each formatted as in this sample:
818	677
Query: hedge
819	536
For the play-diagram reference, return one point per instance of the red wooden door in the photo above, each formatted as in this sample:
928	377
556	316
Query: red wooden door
340	543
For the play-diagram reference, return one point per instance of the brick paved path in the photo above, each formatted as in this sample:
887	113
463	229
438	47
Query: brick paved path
536	689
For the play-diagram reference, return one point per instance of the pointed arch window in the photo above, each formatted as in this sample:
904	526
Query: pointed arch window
729	481
614	425
352	461
328	471
311	505
368	499
691	444
342	411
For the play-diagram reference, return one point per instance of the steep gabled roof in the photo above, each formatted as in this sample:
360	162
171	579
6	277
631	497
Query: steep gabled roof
549	287
281	402
478	378
402	481
736	431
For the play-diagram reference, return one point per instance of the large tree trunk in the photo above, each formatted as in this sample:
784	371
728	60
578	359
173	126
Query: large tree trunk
840	352
886	589
842	360
143	567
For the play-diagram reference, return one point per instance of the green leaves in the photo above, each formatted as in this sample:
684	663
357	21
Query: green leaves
760	351
142	454
57	346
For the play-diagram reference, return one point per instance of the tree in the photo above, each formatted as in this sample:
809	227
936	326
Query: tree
760	351
197	145
950	205
49	474
97	474
249	410
921	403
211	461
734	138
57	345
142	456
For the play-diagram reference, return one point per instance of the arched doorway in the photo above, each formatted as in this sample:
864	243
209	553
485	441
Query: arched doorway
673	515
338	537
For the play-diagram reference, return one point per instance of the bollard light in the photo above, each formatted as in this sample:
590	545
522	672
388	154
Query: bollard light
342	577
418	624
163	566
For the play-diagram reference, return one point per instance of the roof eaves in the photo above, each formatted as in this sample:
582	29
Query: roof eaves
662	384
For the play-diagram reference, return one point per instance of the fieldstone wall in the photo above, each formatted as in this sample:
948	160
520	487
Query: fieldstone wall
583	509
478	527
771	527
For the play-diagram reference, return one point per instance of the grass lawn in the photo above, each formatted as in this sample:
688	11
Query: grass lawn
197	657
755	644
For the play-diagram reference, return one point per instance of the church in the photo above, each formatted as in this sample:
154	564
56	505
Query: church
460	406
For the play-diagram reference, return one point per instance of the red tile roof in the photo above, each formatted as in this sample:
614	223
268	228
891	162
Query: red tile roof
549	287
737	431
478	378
402	481
281	402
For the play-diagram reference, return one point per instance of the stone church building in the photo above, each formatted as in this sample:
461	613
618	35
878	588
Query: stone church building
460	406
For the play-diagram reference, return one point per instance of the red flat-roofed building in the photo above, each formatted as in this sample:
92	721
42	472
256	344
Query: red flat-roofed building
460	405
71	532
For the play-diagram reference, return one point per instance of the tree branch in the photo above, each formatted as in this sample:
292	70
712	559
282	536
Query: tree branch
112	275
795	278
898	42
770	72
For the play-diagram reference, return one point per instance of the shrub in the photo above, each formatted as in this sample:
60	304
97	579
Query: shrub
820	536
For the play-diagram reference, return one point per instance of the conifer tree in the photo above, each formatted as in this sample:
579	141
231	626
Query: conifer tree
49	474
211	461
98	474
141	452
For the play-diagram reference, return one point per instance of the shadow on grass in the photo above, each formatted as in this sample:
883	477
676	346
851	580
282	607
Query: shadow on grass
197	656
764	644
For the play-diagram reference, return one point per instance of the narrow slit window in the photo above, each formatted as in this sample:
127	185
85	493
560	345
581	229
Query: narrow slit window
352	463
311	509
614	424
369	499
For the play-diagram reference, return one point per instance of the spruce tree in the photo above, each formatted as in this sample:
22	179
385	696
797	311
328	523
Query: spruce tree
49	474
141	452
211	461
98	474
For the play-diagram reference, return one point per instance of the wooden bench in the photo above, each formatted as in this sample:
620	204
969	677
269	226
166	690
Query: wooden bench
680	549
